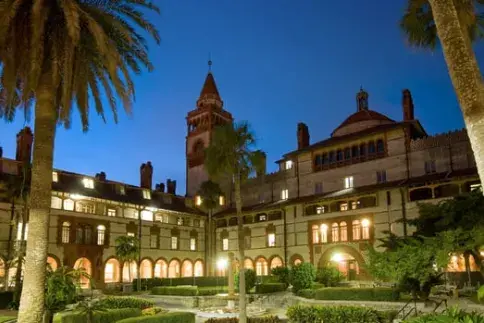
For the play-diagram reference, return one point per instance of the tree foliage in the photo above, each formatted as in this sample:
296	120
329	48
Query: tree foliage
302	276
127	250
210	193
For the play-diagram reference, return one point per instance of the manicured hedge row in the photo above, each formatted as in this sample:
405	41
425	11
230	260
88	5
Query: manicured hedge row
270	288
173	317
149	283
109	316
268	319
112	302
338	314
306	293
212	290
361	294
5	299
175	290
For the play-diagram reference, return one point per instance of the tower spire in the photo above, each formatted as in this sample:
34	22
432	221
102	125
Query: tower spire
209	62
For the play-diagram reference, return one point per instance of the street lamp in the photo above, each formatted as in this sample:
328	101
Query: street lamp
222	265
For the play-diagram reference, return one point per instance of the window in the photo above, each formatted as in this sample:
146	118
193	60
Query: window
166	218
335	232
271	239
339	155
84	207
55	177
174	243
111	212
130	234
153	241
430	167
332	156
325	159
225	244
284	194
221	200
69	205
355	152
247	241
354	204
475	186
179	221
193	244
87	234
79	233
371	147
347	153
362	150
19	231
88	182
121	189
324	233
147	194
318	188
101	232
66	227
320	209
261	217
56	203
288	164
381	176
146	215
380	146
198	200
356	230
343	206
348	181
196	223
365	229
315	234
343	232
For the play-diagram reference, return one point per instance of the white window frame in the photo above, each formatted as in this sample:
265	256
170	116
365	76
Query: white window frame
174	242
288	164
55	177
271	239
193	244
284	194
111	212
225	244
147	194
88	182
349	182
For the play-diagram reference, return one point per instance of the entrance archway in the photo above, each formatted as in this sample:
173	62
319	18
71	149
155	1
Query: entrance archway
146	269
161	269
198	268
187	268
85	266
130	271
111	271
174	269
348	261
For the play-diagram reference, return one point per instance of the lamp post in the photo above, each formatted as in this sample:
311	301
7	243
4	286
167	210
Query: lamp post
221	265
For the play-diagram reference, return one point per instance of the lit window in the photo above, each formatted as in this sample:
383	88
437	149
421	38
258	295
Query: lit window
475	186
320	209
101	232
130	234
349	182
284	194
343	206
56	203
198	200
193	244
221	200
166	219
343	232
158	217
88	182
84	207
19	231
262	217
174	243
111	212
121	190
55	177
225	244
354	204
146	215
66	227
365	229
324	233
154	241
147	194
356	230
179	221
69	205
271	239
315	234
288	164
335	232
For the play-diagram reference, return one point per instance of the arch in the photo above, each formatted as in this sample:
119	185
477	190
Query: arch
261	266
111	270
334	232
198	147
146	268
52	263
248	264
198	268
66	232
347	259
85	266
296	259
174	268
424	193
446	190
161	268
130	271
343	231
276	261
187	268
101	235
2	270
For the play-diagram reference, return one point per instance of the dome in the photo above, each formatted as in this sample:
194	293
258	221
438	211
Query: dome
361	120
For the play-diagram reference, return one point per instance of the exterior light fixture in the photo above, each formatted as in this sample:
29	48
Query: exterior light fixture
76	196
337	257
222	264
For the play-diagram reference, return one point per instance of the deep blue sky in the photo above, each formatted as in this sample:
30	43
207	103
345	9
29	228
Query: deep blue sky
276	63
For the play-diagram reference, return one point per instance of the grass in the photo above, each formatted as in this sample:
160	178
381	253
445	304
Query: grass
6	318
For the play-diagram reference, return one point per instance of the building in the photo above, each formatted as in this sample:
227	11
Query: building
328	200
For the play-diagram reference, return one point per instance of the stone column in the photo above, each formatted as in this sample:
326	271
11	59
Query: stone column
230	272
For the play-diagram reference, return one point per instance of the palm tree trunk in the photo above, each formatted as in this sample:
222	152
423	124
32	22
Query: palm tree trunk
32	299
240	227
464	73
18	274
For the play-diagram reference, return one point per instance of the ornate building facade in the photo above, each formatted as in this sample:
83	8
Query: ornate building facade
327	201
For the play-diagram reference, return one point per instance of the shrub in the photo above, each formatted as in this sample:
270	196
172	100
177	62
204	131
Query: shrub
267	319
302	276
282	274
451	315
270	288
480	294
337	314
329	276
317	286
153	311
109	316
214	290
112	302
5	299
175	290
147	283
250	279
306	293
361	294
184	281
173	317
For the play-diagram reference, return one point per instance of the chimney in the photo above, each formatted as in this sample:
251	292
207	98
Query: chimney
101	176
302	135
407	105
160	187
263	169
24	145
171	186
146	175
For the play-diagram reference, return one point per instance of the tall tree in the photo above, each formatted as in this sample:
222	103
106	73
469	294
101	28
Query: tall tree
127	250
64	54
456	23
209	193
231	153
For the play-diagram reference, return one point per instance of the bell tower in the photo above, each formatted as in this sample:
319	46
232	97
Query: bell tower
201	122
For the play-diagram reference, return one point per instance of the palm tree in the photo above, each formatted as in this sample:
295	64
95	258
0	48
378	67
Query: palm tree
457	23
209	193
127	250
230	154
60	54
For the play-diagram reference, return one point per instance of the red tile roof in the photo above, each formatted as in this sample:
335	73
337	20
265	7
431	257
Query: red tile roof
210	88
363	115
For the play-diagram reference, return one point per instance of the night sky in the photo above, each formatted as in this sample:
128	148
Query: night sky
276	63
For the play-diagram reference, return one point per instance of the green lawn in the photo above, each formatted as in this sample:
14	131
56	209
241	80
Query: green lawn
6	318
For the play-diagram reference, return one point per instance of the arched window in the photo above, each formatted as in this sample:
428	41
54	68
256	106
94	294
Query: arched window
261	267
79	235
356	230
248	264
101	232
198	269
371	147
276	262
339	155
85	266
161	269
187	269
335	232
365	229
87	234
347	153
130	271
324	233
380	147
2	269
111	271
315	234
146	269
174	269
66	229
52	263
343	231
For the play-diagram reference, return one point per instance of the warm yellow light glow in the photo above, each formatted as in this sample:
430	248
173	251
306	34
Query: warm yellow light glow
221	200
152	209
76	197
337	257
222	264
482	253
365	223
454	258
198	200
324	228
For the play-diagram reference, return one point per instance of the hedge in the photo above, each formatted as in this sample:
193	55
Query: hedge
149	283
112	302
360	294
212	290
175	290
306	293
5	299
109	316
337	314
267	319
173	317
270	288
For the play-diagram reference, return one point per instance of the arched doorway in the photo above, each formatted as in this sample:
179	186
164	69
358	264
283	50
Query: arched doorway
111	271
261	267
174	269
52	263
276	262
348	261
248	264
198	268
161	269
130	271
187	268
146	269
2	272
84	265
